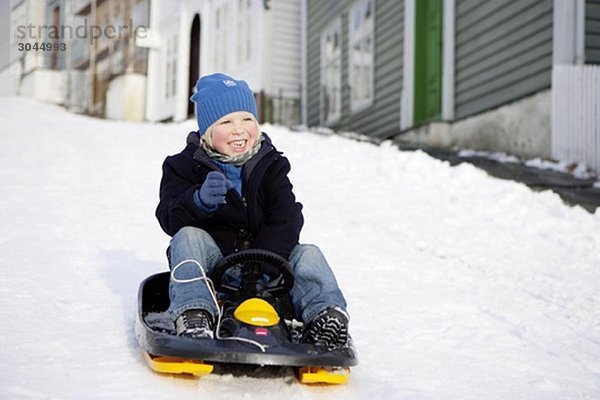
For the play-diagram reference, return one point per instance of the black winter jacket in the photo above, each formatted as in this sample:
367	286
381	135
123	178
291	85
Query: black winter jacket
267	216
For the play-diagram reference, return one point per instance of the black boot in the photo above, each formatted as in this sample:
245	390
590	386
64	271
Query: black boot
197	324
329	329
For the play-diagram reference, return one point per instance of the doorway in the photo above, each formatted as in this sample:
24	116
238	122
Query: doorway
55	41
428	61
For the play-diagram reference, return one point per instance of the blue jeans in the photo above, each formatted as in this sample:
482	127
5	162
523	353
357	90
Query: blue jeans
315	287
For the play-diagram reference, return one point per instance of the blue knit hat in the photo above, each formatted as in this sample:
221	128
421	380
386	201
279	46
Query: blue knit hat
218	95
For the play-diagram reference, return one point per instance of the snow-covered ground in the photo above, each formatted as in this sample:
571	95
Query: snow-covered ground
580	171
460	286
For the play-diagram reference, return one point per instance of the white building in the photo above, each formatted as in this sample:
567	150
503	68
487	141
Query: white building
27	72
255	40
107	72
54	56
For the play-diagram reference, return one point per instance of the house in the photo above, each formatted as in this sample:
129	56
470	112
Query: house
80	54
140	59
28	70
458	73
107	71
255	40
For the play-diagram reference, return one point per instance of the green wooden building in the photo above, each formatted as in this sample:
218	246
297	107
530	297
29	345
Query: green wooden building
466	73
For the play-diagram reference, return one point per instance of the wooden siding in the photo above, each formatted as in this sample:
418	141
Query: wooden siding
382	119
286	48
319	14
503	52
592	31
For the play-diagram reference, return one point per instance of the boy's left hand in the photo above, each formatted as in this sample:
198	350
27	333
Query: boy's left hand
213	190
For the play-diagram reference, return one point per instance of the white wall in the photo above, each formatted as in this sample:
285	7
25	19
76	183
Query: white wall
9	80
274	62
26	68
164	22
45	85
29	12
282	64
125	98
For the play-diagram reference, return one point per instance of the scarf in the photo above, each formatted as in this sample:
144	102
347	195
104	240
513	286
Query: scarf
238	159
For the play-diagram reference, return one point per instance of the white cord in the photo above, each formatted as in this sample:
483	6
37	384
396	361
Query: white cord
211	289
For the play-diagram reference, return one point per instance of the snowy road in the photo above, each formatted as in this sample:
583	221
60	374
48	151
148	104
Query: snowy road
460	286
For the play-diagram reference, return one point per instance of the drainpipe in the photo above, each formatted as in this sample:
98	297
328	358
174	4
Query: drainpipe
448	61
152	79
69	55
580	32
568	32
406	101
303	60
93	75
183	64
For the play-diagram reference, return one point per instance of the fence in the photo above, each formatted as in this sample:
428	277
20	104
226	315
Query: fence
576	114
282	109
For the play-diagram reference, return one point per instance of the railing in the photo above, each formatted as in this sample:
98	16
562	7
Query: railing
282	109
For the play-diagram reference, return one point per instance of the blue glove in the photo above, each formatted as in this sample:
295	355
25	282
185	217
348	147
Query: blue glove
213	190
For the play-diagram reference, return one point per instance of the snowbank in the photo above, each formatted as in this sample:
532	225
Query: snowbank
460	285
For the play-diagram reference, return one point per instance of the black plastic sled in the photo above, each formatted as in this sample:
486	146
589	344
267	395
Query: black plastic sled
256	324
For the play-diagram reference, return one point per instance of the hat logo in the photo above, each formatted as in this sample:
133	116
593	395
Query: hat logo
229	83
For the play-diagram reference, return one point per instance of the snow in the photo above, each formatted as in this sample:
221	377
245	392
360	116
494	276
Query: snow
579	171
460	285
496	156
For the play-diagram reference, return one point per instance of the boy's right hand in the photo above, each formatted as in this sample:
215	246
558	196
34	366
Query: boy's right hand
213	190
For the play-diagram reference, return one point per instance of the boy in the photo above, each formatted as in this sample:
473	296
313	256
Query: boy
228	190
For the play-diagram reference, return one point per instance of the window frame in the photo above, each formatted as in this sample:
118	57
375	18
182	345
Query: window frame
221	19
170	88
326	68
244	31
365	33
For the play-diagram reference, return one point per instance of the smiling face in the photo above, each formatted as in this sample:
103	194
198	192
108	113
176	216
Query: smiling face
234	133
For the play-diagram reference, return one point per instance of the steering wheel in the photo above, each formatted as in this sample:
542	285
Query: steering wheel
263	272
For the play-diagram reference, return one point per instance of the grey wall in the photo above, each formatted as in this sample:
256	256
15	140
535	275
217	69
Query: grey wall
319	14
503	52
383	117
592	31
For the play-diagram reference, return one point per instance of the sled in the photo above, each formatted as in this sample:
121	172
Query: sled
256	325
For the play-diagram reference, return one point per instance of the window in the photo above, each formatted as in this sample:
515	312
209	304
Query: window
55	41
361	54
171	71
244	32
221	31
331	73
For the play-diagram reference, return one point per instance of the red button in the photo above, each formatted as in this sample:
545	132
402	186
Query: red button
261	332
